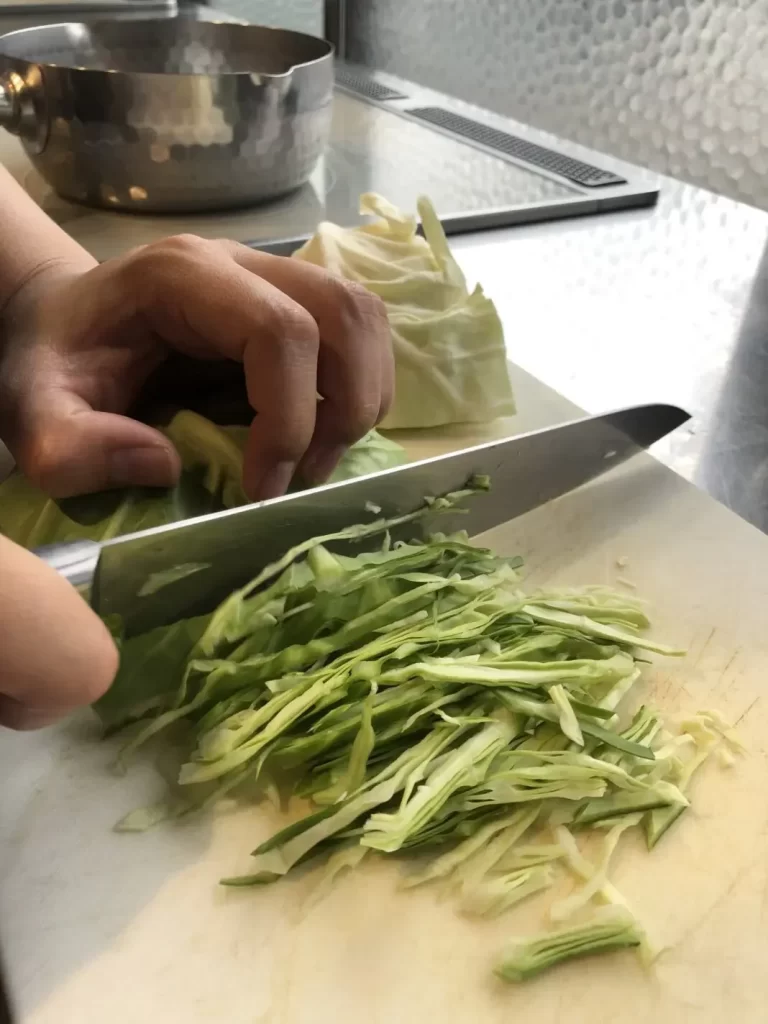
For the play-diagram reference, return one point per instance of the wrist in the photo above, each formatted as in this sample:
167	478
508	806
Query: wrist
34	250
19	299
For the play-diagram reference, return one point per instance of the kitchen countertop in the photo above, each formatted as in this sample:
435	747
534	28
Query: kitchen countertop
662	304
669	304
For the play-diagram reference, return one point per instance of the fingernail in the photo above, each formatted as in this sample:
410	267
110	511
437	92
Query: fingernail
275	482
319	466
141	467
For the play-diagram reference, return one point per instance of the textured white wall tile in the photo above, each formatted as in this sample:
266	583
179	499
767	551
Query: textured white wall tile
680	86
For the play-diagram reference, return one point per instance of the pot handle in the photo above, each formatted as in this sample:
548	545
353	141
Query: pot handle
18	111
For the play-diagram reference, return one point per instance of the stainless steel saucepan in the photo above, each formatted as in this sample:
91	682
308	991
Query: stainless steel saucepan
167	115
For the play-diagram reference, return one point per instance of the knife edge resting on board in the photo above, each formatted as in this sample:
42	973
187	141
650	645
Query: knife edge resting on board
526	471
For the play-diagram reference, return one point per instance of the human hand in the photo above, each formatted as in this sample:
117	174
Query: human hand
56	654
80	343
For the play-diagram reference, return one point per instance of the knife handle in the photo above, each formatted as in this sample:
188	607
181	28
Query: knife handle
76	561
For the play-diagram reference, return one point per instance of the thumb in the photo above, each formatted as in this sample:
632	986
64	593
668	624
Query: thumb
68	451
43	681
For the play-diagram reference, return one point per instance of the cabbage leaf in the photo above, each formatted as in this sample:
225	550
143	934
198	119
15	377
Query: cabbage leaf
450	358
212	461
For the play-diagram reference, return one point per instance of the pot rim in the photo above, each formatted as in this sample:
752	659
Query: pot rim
31	31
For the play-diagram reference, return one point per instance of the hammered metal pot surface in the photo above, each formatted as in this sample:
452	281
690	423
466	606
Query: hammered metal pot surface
160	116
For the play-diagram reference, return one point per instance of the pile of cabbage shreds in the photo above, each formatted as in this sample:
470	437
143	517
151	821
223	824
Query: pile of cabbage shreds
427	706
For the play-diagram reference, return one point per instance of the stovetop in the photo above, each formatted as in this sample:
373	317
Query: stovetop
400	140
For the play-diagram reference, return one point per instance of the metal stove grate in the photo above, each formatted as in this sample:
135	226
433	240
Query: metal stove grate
365	86
547	159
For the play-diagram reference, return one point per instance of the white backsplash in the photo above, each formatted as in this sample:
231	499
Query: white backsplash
675	85
298	15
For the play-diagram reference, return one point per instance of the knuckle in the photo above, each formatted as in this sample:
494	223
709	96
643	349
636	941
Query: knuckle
362	303
292	327
363	419
141	265
291	440
290	448
135	252
184	244
40	459
158	259
229	246
360	415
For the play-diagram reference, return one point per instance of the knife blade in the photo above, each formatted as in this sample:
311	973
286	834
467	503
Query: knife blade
227	549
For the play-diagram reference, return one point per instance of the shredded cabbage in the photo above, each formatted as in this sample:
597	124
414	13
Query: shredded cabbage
608	930
425	705
501	892
599	880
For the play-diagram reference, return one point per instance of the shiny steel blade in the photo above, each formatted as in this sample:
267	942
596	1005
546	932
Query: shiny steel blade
525	471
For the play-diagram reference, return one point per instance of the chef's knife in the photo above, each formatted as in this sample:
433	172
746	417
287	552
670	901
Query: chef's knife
216	553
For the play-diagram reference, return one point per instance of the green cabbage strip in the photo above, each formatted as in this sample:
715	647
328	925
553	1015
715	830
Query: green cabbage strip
606	932
447	864
501	892
708	732
565	908
388	832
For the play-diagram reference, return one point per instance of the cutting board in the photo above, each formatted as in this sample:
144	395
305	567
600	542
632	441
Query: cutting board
99	927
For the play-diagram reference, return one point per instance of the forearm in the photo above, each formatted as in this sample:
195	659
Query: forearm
30	242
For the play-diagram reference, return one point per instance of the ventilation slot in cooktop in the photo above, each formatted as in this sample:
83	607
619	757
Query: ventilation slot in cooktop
365	86
520	149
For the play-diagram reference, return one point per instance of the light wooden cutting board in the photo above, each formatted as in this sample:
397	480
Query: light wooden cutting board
99	927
